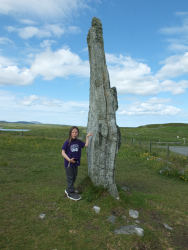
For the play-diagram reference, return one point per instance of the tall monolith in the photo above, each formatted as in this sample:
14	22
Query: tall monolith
105	142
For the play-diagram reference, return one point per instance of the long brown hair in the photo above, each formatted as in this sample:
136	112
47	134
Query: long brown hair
70	131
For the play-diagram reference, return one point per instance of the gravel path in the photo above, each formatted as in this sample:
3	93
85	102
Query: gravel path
178	149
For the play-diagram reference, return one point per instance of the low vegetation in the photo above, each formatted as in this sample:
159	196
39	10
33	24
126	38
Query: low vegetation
33	181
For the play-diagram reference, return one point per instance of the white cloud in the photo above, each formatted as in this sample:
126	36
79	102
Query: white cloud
34	100
178	46
174	66
73	30
5	40
4	62
178	34
47	43
85	50
28	101
55	29
6	97
31	31
61	63
134	77
153	106
51	9
175	30
173	87
181	13
15	107
48	64
155	100
11	28
12	75
130	76
28	22
41	32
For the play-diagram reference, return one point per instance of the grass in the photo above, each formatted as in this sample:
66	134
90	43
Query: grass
33	180
157	132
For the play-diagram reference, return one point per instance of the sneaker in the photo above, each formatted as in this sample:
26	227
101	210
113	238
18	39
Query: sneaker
73	196
67	193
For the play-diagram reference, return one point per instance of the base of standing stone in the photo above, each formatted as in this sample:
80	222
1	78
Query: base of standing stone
114	191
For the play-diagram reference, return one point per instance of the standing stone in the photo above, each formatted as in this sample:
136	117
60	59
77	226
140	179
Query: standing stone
105	142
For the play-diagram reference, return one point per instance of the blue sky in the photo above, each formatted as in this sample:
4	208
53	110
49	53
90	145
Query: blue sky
44	64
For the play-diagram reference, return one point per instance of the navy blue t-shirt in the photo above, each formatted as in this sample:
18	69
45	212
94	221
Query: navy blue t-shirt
73	150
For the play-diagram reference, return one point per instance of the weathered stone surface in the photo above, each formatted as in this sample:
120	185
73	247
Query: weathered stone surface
167	226
96	209
112	219
105	142
133	213
132	229
42	216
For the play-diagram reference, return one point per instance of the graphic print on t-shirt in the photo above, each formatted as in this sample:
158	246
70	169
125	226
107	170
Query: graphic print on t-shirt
74	148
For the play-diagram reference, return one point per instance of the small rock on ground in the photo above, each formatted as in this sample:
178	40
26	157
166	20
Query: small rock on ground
167	226
132	229
42	216
96	209
112	219
133	213
125	188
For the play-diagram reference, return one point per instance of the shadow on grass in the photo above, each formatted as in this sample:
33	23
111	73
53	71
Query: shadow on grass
89	191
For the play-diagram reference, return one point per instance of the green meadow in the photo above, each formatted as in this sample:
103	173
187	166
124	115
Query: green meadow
32	182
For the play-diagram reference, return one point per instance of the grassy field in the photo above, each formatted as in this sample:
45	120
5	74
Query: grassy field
33	181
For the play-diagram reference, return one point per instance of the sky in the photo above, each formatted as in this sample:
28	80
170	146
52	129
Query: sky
44	60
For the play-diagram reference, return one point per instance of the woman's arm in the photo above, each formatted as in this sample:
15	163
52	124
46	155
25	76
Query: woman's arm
87	139
66	157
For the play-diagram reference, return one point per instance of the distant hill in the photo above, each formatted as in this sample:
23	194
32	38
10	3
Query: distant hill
23	122
163	125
